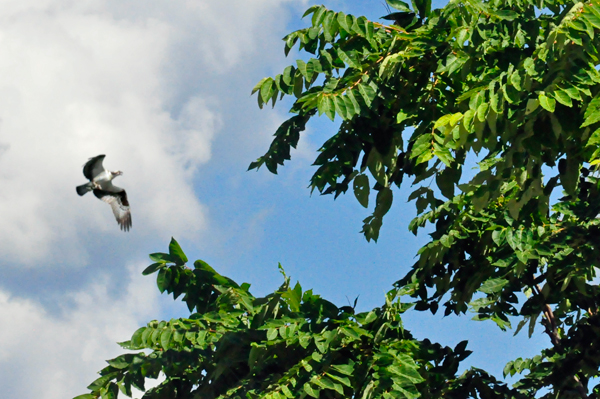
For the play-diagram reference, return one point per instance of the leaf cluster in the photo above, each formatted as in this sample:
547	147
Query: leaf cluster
514	83
289	344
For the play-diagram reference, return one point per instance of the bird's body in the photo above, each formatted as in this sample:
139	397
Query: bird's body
100	182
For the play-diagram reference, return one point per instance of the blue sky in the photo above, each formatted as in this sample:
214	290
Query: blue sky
163	89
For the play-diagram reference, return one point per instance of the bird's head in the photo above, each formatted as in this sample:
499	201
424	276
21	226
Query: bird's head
116	173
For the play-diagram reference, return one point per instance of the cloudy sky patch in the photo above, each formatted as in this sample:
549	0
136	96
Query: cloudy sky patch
140	82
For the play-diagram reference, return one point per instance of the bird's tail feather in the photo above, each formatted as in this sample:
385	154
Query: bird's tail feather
84	188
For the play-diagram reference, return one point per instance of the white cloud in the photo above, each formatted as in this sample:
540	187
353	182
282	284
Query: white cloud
143	83
55	356
83	78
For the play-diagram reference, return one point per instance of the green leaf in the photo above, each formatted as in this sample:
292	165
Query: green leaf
324	382
532	105
85	396
346	59
482	112
445	181
407	370
355	103
163	279
563	98
454	62
350	110
532	324
421	145
446	119
258	85
360	26
507	15
318	15
548	103
100	382
326	106
153	268
160	257
272	334
371	227
572	92
176	252
267	90
511	95
298	82
569	173
361	189
384	201
399	5
286	391
370	31
492	286
311	10
367	92
346	369
520	40
377	167
330	108
592	19
401	117
288	75
165	337
443	154
314	392
423	7
340	107
341	18
592	112
136	338
519	327
122	361
515	80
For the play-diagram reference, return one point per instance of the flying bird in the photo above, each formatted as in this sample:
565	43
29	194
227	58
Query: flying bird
100	182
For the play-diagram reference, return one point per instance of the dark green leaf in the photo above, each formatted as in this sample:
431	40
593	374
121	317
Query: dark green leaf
163	279
153	268
423	6
362	189
384	201
508	15
176	252
160	257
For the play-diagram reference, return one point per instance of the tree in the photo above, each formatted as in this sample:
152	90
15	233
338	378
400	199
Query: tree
513	83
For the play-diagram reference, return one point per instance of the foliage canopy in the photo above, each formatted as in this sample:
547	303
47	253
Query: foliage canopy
513	83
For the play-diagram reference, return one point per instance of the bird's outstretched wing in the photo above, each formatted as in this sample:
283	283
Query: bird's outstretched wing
117	199
93	167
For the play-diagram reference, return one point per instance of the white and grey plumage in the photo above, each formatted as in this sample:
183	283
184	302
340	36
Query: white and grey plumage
100	182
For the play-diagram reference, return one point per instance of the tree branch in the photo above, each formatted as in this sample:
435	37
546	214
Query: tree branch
552	331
